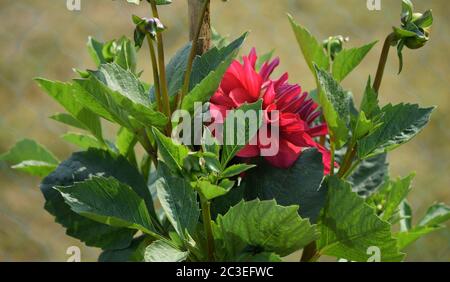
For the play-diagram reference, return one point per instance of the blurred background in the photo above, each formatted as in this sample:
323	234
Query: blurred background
43	38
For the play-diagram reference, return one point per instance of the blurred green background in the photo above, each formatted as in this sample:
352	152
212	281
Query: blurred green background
44	38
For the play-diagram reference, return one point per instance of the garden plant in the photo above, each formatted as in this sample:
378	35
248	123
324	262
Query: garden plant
217	159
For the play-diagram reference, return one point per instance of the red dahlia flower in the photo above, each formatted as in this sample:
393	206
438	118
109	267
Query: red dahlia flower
296	111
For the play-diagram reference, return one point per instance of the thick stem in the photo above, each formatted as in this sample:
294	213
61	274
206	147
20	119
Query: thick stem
310	253
347	161
383	59
155	72
197	10
199	20
162	69
206	212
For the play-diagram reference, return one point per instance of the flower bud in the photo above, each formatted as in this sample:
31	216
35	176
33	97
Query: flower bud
414	31
334	44
153	26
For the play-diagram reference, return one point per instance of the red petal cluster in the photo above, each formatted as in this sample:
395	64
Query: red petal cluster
296	111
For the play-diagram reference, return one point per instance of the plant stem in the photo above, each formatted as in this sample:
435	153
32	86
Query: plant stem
351	169
162	69
145	142
155	72
383	59
192	54
206	212
332	151
310	253
348	160
196	10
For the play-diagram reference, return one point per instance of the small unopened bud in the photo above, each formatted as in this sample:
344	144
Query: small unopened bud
334	44
415	29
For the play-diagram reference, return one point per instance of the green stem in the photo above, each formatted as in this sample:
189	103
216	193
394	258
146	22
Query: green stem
162	69
155	72
332	151
383	59
187	76
145	142
351	169
330	61
206	212
348	160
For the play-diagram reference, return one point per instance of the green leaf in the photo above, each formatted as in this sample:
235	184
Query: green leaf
405	213
172	154
299	185
312	49
369	175
133	253
207	73
121	52
348	227
407	11
210	191
369	103
68	119
30	157
66	94
396	192
425	21
435	215
235	170
209	142
125	141
95	49
222	204
405	239
348	59
36	168
178	200
126	55
400	123
244	124
261	226
82	140
132	91
161	251
213	59
363	126
79	167
108	201
335	106
115	94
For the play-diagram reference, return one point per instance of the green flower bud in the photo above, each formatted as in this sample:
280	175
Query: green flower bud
334	45
414	31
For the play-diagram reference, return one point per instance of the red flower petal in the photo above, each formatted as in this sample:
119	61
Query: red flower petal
287	155
249	151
